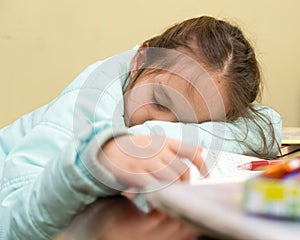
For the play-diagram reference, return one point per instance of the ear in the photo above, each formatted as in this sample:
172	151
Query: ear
138	59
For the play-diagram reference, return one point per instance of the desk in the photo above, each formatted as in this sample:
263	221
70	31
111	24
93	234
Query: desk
118	218
291	155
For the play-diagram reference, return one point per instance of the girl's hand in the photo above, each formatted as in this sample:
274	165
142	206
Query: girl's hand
138	161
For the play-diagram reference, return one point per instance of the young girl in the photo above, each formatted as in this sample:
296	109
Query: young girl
63	156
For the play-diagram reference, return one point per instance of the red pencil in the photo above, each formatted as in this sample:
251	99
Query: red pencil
258	165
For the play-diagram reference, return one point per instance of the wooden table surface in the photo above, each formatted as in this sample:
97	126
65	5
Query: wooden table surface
118	218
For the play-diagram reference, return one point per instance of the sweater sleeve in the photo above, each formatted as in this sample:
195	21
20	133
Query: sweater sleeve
53	173
241	136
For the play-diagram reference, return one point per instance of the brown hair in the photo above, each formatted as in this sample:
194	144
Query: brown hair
223	49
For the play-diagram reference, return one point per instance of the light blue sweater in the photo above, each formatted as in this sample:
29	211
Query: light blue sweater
48	166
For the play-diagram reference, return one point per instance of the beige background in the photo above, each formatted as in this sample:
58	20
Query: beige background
45	44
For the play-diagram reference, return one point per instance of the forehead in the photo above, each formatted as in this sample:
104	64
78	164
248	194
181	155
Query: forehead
193	100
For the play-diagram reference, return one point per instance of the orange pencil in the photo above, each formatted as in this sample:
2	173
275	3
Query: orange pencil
280	170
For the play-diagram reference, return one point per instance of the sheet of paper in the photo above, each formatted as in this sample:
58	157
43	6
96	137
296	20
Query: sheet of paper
223	168
216	202
218	208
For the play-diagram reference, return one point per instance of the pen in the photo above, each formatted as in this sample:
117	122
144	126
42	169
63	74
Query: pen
258	165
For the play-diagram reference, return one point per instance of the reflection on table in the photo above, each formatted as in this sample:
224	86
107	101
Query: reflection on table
118	218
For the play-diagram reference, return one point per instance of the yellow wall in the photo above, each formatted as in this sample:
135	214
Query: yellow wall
45	44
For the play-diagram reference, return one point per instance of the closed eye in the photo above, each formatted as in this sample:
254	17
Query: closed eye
158	105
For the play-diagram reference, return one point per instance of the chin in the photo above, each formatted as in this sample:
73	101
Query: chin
127	121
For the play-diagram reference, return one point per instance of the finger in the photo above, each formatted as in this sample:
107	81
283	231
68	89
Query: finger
185	177
171	164
193	153
199	162
175	162
183	149
166	173
137	180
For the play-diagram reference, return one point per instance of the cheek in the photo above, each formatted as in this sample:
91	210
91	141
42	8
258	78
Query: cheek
138	116
136	103
137	97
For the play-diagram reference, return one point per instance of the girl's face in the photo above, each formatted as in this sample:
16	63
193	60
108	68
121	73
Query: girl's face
168	97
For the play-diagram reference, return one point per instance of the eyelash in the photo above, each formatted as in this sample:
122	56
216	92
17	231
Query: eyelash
157	105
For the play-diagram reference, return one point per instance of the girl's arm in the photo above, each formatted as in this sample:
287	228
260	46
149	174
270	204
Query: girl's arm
241	136
56	170
46	178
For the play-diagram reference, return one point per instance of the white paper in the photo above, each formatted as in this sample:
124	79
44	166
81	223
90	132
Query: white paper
223	168
216	202
218	208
